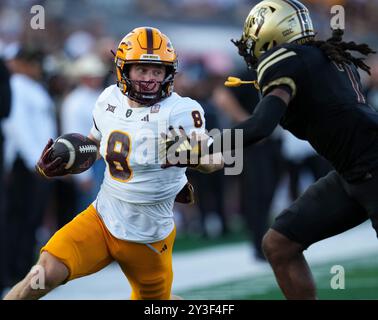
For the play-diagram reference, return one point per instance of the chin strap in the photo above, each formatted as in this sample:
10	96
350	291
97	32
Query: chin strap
236	82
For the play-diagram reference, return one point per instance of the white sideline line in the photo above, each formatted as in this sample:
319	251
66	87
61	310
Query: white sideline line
217	265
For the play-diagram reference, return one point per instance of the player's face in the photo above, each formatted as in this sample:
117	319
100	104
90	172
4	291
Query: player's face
147	77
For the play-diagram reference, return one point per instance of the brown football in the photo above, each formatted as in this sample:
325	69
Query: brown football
77	151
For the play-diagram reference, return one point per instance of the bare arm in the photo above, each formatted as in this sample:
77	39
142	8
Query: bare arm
214	162
261	124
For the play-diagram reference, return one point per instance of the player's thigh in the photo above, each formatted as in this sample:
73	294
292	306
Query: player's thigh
81	245
324	210
366	193
148	267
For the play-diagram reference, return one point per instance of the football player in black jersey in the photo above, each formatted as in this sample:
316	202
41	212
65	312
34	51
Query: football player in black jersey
311	88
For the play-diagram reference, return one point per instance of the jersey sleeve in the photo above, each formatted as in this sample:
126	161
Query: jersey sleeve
95	131
282	67
190	115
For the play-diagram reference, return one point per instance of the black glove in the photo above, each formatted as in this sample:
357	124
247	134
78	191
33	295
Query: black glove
47	168
186	195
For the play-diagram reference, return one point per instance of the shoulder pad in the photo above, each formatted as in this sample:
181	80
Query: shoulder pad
282	65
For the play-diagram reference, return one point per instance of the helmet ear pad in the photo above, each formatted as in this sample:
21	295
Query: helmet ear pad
167	85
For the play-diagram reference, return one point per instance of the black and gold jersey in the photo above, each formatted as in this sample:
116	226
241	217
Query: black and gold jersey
328	108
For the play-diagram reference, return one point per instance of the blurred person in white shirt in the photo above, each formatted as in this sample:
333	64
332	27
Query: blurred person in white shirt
89	72
27	129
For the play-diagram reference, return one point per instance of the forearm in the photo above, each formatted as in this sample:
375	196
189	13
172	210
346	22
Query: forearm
260	125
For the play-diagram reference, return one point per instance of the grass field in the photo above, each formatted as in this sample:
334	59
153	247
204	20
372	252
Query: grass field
225	269
361	282
185	243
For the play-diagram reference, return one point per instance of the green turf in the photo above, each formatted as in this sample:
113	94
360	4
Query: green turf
195	242
361	282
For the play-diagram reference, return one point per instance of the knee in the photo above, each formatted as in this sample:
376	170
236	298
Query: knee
47	274
278	247
269	245
51	271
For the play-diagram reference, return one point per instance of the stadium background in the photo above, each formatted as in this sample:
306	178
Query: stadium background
208	262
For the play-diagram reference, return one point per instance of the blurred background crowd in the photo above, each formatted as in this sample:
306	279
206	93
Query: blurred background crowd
56	74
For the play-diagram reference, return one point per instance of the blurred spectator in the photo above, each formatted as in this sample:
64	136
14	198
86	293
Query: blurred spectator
76	112
56	67
79	43
301	158
105	47
5	101
30	125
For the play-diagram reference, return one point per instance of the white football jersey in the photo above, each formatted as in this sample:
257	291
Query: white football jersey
129	139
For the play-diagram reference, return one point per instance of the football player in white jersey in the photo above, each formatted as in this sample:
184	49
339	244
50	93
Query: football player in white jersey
131	221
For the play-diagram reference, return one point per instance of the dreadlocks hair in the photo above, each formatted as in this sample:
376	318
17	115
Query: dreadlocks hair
337	50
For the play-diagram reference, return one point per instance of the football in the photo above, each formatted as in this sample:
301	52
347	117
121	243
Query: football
77	151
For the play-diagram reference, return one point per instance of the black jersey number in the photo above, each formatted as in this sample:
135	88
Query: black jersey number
117	156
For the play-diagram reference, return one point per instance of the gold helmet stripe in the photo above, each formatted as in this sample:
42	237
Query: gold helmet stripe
300	9
297	4
297	9
274	61
150	41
